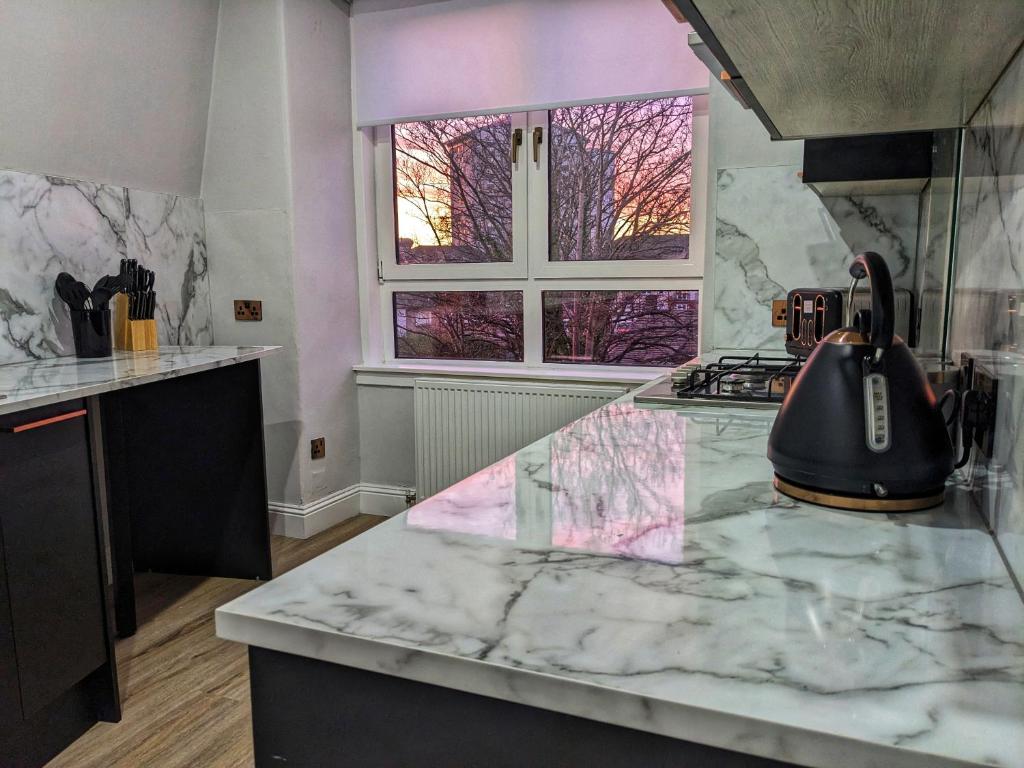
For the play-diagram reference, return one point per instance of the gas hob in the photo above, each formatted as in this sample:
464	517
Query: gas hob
753	381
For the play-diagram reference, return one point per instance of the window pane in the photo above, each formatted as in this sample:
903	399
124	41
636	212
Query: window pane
459	325
453	190
619	180
620	327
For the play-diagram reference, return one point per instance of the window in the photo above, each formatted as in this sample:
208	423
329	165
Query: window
453	191
545	238
459	325
619	180
645	328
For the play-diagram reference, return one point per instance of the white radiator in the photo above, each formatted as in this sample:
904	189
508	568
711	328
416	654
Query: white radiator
463	426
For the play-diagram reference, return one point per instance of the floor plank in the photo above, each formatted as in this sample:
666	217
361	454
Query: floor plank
185	692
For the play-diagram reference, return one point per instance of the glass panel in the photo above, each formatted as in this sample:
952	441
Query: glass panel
656	328
453	190
619	180
459	325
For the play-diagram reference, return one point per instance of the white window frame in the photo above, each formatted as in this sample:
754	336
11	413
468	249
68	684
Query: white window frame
530	271
387	246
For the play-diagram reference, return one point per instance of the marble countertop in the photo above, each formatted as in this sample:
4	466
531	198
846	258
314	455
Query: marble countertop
637	568
41	382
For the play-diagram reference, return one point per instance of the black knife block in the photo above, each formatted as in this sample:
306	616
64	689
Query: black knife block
91	330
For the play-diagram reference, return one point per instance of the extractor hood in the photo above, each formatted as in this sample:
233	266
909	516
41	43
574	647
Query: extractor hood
881	164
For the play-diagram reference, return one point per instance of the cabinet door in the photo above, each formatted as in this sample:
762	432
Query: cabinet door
10	697
186	464
51	551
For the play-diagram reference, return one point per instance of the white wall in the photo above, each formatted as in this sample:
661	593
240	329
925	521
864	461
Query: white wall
246	189
387	428
246	160
319	118
279	199
112	91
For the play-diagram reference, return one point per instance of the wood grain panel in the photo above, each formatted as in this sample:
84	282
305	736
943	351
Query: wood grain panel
835	67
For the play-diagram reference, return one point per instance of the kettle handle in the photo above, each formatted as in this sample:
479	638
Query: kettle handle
869	264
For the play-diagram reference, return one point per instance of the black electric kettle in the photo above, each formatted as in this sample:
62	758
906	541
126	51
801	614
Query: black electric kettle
860	428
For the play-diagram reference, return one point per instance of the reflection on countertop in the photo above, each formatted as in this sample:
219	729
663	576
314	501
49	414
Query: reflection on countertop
613	484
636	567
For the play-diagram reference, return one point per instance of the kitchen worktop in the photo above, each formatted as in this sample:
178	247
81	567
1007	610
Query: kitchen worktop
41	382
637	568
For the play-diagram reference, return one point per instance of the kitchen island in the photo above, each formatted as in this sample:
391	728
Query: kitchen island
631	590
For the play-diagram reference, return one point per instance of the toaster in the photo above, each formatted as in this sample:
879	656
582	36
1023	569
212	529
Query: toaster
813	313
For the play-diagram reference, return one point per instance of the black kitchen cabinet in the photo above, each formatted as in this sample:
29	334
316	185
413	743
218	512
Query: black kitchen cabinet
10	696
55	640
168	475
188	482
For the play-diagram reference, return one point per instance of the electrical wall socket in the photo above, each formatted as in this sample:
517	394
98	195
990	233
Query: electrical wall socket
317	448
779	313
248	310
979	382
985	433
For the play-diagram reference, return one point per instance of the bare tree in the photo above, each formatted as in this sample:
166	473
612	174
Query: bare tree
620	180
468	325
620	327
456	178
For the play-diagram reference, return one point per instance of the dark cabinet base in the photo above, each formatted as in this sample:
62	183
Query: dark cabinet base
188	487
51	549
57	663
166	476
35	741
313	713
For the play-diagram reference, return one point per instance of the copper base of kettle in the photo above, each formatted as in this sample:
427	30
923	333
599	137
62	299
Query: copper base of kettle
857	503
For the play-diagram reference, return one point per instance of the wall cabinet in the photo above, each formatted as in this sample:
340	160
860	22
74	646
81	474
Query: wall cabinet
837	68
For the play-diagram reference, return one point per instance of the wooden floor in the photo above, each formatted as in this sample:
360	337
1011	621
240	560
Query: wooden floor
185	693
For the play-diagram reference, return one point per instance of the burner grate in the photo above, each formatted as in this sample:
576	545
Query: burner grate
754	378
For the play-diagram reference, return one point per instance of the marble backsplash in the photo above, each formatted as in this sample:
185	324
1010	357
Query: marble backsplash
988	292
774	234
50	225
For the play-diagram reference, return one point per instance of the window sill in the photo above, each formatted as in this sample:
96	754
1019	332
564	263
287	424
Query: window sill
405	374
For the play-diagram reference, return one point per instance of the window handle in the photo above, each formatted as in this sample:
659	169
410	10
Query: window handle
538	137
517	142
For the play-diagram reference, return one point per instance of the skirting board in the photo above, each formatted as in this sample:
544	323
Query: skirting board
300	521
